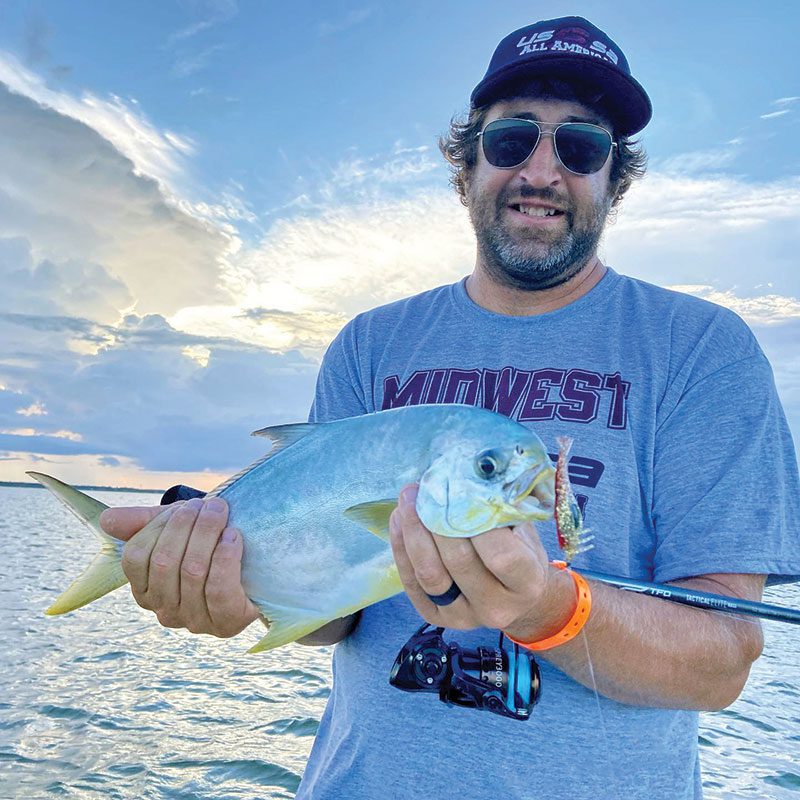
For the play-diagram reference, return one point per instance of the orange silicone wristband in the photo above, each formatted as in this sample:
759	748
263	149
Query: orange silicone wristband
576	621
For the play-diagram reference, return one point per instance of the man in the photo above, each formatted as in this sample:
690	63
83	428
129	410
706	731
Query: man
683	462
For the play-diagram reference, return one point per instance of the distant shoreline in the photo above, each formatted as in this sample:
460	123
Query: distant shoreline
24	485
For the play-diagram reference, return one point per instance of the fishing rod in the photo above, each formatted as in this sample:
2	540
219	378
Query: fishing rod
696	598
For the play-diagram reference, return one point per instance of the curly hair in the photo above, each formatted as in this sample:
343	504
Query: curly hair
460	145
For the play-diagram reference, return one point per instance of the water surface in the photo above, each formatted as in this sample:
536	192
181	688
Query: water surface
104	703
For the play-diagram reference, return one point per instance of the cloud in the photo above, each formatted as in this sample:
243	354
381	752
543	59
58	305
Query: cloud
701	161
82	213
774	114
345	259
191	63
213	12
720	232
135	320
785	101
38	34
762	310
140	398
128	130
67	287
350	20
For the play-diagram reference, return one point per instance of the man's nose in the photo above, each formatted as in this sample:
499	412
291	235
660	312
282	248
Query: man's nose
543	167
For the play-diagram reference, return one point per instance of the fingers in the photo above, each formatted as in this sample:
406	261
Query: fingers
423	570
196	562
500	573
123	523
407	570
514	556
230	609
167	559
136	554
180	568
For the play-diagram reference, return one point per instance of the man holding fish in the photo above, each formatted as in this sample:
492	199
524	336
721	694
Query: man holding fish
683	467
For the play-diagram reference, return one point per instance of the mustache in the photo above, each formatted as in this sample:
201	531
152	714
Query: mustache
545	193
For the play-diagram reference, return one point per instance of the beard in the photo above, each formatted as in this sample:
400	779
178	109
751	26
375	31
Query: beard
536	260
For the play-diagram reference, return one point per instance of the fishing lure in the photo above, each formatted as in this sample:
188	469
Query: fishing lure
572	536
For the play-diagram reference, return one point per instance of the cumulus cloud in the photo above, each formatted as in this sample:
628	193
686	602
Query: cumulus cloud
127	129
140	398
66	287
140	333
74	199
720	232
346	259
762	310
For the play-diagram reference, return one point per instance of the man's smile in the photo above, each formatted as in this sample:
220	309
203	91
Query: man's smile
537	215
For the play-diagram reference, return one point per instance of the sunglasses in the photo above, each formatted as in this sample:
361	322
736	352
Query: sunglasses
582	148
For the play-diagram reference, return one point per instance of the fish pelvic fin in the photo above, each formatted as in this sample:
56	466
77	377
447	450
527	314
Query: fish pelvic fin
374	516
104	573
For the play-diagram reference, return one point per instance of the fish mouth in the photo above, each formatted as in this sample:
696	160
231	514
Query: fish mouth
533	492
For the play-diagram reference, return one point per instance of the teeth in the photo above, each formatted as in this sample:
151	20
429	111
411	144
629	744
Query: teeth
534	211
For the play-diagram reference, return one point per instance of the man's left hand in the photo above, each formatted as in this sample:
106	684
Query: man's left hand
504	575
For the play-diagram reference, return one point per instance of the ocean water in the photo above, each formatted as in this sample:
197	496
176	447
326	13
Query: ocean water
107	704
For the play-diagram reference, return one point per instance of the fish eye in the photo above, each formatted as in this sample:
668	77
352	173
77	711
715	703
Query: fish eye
487	464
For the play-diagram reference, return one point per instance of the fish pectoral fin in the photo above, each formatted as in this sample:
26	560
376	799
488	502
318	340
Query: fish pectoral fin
374	516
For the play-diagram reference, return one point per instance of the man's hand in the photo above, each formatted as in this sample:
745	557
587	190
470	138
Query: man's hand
184	563
504	575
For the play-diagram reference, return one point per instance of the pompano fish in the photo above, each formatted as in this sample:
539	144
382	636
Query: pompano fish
304	507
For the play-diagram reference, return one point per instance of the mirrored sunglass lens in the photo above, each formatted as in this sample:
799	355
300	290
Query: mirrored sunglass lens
507	145
582	148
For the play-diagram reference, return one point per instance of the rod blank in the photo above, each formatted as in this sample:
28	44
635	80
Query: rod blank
697	599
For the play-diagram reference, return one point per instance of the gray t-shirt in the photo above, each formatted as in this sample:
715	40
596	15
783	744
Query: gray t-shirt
683	464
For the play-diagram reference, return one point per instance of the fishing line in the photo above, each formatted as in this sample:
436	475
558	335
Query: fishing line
611	772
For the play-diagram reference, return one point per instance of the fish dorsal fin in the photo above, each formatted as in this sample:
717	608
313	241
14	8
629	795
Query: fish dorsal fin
282	436
374	516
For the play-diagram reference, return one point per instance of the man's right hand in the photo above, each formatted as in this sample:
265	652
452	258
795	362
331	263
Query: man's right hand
184	563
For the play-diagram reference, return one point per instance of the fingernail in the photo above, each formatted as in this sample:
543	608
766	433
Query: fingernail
195	504
229	535
215	504
409	495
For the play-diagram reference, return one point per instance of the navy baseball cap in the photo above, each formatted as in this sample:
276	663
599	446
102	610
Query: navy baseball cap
573	49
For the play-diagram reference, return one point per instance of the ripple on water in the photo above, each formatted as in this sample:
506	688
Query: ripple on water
786	780
65	712
110	656
254	771
297	726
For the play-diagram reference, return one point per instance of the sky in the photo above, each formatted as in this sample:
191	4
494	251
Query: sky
195	195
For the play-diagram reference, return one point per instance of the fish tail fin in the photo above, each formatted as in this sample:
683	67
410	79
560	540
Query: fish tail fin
104	574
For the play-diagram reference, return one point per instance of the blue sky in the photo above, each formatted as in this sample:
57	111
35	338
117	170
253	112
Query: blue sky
194	196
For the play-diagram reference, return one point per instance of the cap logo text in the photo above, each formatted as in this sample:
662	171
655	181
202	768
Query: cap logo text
543	42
